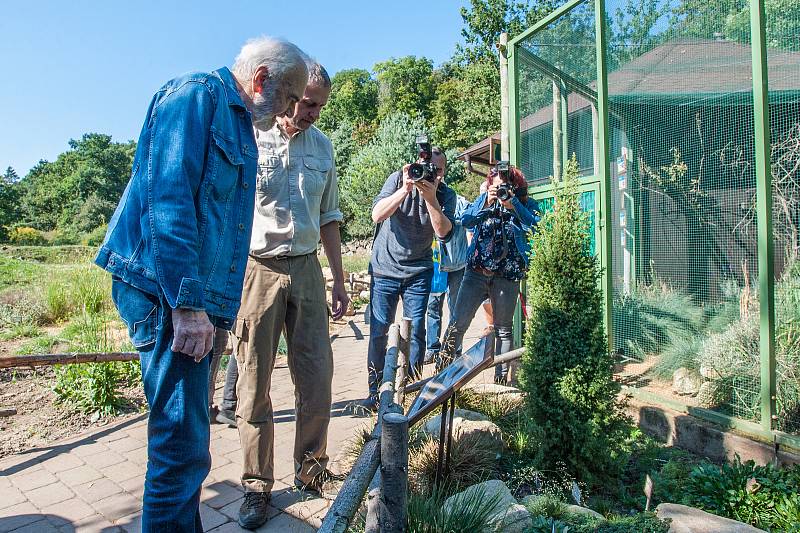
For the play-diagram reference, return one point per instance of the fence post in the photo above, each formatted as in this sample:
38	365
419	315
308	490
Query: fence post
394	473
373	503
402	361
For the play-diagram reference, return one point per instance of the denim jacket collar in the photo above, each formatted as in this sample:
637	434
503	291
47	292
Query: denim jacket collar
234	98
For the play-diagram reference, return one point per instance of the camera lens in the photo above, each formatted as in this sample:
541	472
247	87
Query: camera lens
416	171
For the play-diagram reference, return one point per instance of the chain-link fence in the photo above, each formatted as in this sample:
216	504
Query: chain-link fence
682	175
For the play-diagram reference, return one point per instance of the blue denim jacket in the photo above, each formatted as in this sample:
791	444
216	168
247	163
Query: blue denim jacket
182	228
454	256
526	216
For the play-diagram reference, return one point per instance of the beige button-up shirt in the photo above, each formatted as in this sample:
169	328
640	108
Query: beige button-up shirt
296	192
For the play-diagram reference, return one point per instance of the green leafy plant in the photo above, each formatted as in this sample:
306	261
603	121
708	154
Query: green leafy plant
764	496
90	387
572	398
428	514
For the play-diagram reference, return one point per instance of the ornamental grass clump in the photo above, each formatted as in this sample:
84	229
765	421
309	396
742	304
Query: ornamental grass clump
571	396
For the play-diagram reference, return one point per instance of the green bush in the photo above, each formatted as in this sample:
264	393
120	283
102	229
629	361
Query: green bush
572	398
95	237
763	496
427	513
23	235
90	387
390	149
79	290
578	523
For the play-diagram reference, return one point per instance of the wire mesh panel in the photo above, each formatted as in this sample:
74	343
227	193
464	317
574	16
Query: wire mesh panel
783	62
684	265
556	73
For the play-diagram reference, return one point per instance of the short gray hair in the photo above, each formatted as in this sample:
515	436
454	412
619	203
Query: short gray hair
279	56
317	75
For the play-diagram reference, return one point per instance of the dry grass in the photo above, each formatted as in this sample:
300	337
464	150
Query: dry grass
473	459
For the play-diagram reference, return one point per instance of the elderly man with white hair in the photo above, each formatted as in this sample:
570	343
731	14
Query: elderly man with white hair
177	248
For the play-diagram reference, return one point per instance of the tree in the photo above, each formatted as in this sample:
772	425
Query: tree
485	20
55	194
406	85
390	149
9	199
353	99
467	105
566	369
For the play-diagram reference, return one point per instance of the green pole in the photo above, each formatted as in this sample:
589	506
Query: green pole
604	172
513	142
766	273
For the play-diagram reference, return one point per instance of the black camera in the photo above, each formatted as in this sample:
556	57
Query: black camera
425	170
505	189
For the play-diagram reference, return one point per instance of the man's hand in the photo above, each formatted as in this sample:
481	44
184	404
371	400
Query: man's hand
339	300
194	334
428	191
408	183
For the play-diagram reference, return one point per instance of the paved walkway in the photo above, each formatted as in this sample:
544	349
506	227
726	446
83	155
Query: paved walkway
94	483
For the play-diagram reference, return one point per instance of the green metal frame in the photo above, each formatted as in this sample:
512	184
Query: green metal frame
765	429
766	273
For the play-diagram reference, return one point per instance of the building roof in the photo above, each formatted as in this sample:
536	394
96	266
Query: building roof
685	71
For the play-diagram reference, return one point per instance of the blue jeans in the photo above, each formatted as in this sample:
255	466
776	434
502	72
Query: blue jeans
176	388
475	288
435	305
384	295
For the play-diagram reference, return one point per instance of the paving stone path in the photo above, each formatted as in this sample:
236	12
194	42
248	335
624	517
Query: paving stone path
94	483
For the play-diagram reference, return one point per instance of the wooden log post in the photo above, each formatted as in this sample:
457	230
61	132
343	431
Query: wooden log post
403	357
372	524
355	486
394	474
65	359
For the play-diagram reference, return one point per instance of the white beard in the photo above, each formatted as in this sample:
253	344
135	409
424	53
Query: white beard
263	111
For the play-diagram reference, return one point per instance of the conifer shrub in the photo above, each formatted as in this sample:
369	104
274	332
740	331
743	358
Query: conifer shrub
572	398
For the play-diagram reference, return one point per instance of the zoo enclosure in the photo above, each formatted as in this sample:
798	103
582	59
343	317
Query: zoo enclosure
684	120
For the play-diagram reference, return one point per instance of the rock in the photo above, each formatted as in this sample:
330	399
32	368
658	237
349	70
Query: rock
686	382
364	295
432	426
709	372
577	509
508	516
507	393
712	394
690	520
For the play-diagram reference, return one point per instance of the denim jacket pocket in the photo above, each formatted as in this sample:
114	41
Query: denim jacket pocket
315	172
228	165
138	311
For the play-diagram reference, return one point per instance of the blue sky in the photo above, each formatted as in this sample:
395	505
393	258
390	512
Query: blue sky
71	67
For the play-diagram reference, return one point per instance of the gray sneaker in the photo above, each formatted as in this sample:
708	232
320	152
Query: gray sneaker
253	512
226	417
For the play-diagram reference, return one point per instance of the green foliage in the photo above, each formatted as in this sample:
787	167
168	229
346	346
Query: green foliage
90	387
9	200
353	99
566	369
390	149
80	290
467	104
25	236
406	85
763	496
80	189
579	523
427	513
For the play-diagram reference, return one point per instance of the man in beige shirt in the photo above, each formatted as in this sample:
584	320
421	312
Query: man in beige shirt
297	204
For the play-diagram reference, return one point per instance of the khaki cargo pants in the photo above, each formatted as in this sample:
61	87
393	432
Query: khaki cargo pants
283	294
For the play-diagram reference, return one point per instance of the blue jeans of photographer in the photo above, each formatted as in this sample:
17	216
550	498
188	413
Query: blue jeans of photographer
384	295
176	388
433	330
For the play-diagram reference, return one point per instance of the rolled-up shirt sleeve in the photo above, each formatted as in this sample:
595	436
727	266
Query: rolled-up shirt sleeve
329	206
180	127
